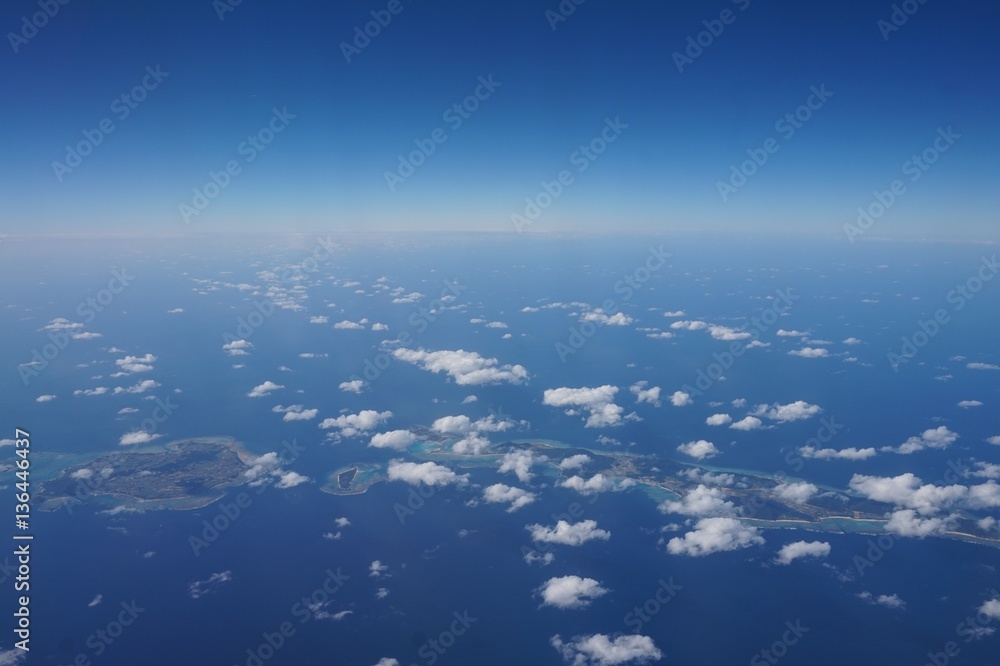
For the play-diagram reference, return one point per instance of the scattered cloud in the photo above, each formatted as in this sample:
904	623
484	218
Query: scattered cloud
700	449
793	551
793	411
570	592
715	535
602	650
500	493
200	588
598	402
748	423
264	389
466	368
718	419
681	399
394	439
428	473
568	534
932	438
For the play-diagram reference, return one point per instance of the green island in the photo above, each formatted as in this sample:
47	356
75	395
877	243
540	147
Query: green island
184	474
753	492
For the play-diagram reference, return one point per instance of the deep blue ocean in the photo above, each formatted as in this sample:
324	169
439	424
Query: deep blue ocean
449	557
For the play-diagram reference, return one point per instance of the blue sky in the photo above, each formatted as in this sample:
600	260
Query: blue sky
892	92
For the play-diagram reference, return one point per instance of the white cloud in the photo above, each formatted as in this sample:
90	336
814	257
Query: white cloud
728	334
747	423
791	334
568	534
965	404
907	522
595	484
291	479
354	386
137	437
598	402
574	462
343	522
850	453
237	347
200	588
602	650
427	473
887	600
570	592
674	313
519	462
319	319
295	412
715	535
909	492
701	502
262	390
45	398
681	399
798	493
394	439
699	450
469	398
133	364
500	493
687	325
599	317
794	551
995	440
140	387
982	366
353	424
852	341
348	325
387	661
991	609
718	419
643	394
810	352
466	368
86	335
100	390
708	478
932	438
793	411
